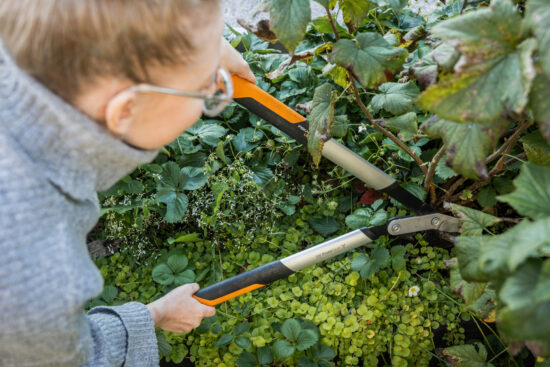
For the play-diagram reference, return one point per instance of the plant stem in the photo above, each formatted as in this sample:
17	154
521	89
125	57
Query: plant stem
428	183
331	20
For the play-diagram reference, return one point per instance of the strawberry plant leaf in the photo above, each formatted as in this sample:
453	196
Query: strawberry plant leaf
264	355
406	125
243	327
468	144
109	293
442	170
247	359
324	352
536	148
305	361
289	19
224	339
487	197
321	118
473	221
243	342
177	263
396	98
176	205
307	338
538	18
466	356
324	225
162	274
291	329
360	218
540	104
186	277
207	131
494	74
355	11
532	194
369	56
283	349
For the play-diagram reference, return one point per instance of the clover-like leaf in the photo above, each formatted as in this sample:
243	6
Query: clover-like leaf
321	119
495	72
468	144
396	98
369	56
532	194
406	124
289	19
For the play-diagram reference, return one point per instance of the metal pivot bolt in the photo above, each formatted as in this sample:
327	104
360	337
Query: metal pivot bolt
396	227
436	221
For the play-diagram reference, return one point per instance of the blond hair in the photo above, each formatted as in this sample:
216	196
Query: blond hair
67	43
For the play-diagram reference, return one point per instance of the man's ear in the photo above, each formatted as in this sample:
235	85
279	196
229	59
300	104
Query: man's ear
119	114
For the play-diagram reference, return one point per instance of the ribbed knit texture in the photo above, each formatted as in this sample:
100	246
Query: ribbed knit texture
53	159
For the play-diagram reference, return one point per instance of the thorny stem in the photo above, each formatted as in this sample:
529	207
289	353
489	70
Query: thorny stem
501	152
428	183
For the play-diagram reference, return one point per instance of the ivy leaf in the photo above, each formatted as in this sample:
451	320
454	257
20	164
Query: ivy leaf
324	225
289	19
321	118
468	144
247	359
473	221
355	11
291	329
264	355
177	263
283	349
306	339
532	194
406	124
540	103
537	16
185	277
369	56
162	274
466	356
224	340
396	98
536	148
494	74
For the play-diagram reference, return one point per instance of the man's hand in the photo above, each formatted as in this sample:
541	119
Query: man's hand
178	311
233	62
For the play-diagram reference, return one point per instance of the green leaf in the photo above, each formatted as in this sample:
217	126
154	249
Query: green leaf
487	197
397	5
359	218
321	119
380	257
283	349
518	290
396	98
218	189
261	174
307	338
443	171
406	124
185	238
532	195
243	327
540	103
473	221
243	342
378	218
176	205
398	261
193	178
323	352
247	139
224	340
177	263
289	19
468	250
247	359
162	274
468	144
324	225
355	11
185	277
469	292
291	329
369	56
171	177
305	361
537	149
109	293
467	355
208	131
164	348
264	355
538	18
494	74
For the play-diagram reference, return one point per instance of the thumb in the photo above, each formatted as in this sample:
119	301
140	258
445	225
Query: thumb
192	288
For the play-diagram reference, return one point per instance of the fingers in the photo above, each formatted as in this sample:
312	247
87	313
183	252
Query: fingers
190	289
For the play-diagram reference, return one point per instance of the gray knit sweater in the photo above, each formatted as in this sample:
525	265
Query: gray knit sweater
53	159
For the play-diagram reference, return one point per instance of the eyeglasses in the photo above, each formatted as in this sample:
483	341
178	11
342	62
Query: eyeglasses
213	103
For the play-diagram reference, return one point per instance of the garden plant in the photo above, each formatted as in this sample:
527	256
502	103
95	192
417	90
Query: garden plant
454	105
